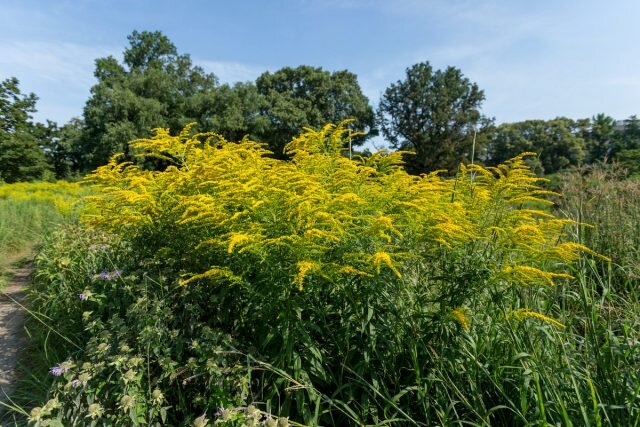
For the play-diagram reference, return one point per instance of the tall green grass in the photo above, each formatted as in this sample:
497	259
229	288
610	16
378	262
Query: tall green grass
601	197
23	224
28	213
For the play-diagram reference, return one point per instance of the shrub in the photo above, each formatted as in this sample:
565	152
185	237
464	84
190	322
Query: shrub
327	290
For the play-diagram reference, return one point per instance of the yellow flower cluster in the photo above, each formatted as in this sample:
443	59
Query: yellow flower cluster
320	217
460	315
523	314
62	195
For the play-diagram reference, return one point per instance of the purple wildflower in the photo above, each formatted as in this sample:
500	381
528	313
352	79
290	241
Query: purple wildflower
75	383
83	296
106	275
56	371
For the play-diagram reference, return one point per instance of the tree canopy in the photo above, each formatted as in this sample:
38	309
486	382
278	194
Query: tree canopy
155	87
557	142
21	157
433	114
307	96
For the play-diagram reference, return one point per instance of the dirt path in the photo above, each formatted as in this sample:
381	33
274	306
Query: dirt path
11	321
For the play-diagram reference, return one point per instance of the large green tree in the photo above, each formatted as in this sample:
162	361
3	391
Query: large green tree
62	146
627	145
558	143
231	110
157	87
305	96
154	87
21	156
434	114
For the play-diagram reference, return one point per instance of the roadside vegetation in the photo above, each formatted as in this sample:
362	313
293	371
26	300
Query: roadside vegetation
214	284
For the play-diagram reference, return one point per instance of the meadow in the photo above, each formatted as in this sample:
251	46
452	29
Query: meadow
212	284
29	212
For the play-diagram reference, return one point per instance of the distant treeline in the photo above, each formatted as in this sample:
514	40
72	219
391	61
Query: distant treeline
436	114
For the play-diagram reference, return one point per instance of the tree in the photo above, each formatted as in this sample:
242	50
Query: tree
21	157
628	136
600	137
233	111
306	96
61	146
155	87
557	142
630	160
433	114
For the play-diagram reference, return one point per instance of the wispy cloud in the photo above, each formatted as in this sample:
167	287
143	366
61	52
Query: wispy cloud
232	72
55	62
60	73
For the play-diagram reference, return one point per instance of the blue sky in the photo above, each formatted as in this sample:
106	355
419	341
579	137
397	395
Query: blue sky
536	59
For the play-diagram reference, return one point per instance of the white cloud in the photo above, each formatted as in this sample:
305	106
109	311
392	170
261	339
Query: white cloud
61	74
55	62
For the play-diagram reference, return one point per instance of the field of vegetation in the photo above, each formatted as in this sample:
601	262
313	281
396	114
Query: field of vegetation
210	283
28	212
277	272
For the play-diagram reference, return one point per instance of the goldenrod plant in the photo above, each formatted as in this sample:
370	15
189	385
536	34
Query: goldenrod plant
322	219
212	283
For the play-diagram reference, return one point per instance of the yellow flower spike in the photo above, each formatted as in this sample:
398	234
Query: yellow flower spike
528	275
569	252
237	239
523	313
380	258
221	273
352	270
460	314
233	197
304	267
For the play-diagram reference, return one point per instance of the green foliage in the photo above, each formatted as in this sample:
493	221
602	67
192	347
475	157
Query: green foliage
562	143
601	138
15	108
233	111
135	362
630	160
629	136
21	158
306	96
340	279
557	143
433	114
60	145
155	87
331	291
